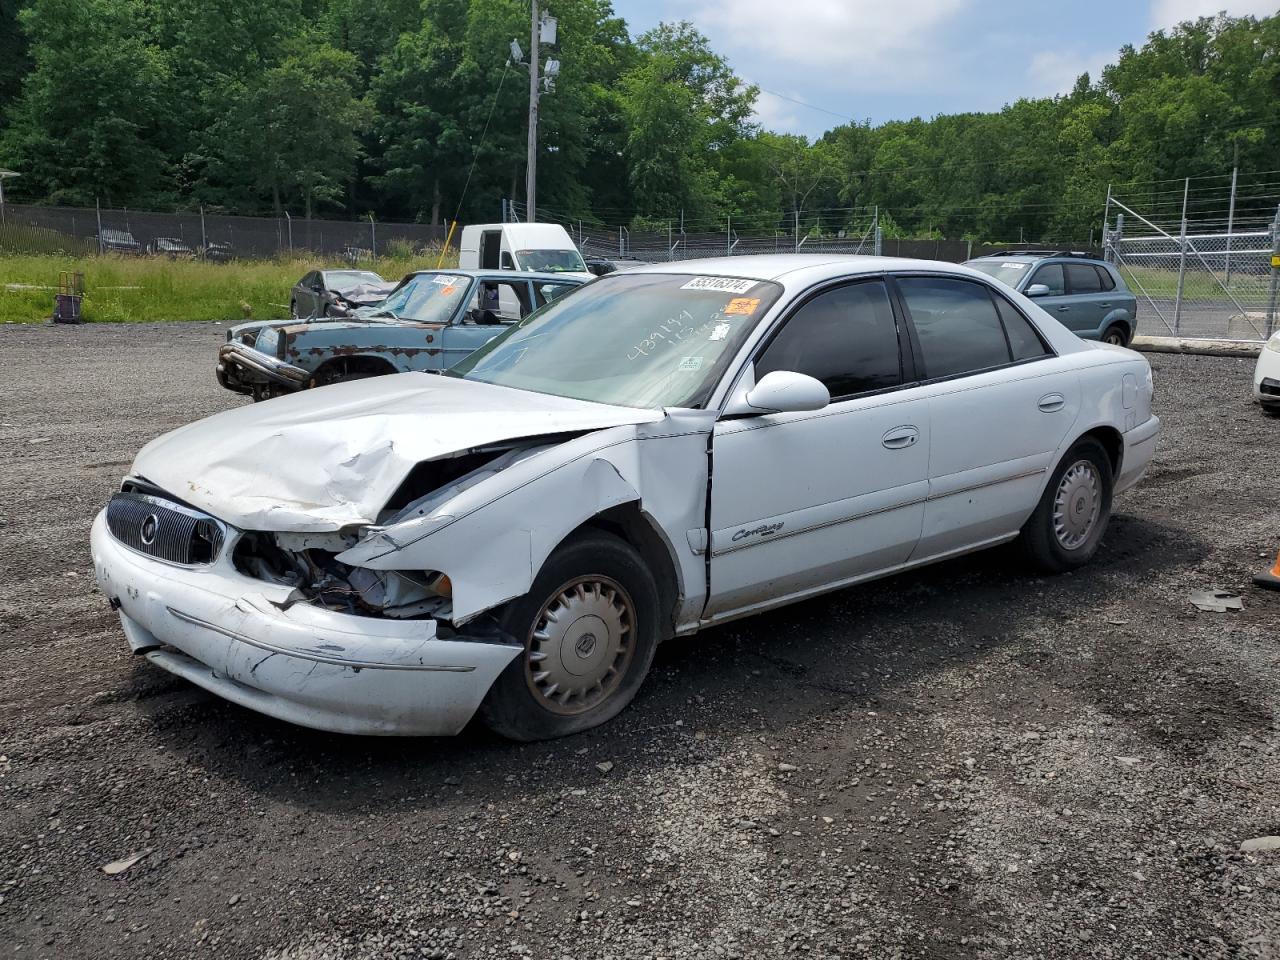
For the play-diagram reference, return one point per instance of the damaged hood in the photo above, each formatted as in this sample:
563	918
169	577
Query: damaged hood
320	460
365	294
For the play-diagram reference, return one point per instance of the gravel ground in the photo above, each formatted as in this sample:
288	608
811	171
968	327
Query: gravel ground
966	761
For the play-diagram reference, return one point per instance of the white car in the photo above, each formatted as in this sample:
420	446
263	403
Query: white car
662	450
1266	376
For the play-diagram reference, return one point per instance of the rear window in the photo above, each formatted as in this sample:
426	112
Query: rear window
957	325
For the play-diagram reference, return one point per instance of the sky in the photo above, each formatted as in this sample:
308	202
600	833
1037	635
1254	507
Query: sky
821	63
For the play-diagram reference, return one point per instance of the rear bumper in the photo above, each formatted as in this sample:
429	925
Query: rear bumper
330	671
1139	448
240	367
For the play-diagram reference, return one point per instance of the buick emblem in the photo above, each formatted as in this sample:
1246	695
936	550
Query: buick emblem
149	527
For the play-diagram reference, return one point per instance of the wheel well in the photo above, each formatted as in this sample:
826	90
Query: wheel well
627	522
338	366
1112	442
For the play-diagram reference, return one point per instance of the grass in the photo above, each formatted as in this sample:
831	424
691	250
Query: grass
141	289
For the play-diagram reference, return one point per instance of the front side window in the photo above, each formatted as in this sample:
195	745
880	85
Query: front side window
1083	278
845	337
647	340
1051	276
957	325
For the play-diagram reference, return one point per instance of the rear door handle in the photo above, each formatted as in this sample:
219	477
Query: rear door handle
900	437
1052	403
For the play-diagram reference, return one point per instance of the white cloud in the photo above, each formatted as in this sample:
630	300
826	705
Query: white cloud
1168	13
774	113
863	42
1052	72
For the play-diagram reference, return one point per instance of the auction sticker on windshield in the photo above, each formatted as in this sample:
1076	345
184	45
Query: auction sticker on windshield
720	284
444	281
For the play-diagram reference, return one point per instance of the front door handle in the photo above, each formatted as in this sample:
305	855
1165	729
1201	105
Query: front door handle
900	438
1063	309
1052	403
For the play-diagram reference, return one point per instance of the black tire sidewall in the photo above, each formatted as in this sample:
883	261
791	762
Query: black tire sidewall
1038	538
510	708
1120	331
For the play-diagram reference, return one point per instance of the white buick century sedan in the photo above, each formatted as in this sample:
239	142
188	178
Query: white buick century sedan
664	449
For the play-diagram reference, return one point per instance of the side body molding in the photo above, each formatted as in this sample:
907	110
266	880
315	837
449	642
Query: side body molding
492	538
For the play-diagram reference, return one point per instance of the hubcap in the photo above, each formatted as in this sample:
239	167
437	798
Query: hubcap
1076	505
1114	338
580	645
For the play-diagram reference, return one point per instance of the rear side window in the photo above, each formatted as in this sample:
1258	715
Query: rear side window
844	337
1083	278
1104	275
1051	276
957	325
1024	342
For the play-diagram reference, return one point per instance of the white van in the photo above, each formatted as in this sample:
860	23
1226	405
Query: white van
541	247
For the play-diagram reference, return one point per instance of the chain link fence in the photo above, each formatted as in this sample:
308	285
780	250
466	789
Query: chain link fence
80	231
1200	273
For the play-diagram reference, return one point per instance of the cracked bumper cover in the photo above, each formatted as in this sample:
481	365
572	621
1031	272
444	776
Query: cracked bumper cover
313	667
239	363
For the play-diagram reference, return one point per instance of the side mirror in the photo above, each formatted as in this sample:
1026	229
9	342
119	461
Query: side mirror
507	262
1038	290
786	392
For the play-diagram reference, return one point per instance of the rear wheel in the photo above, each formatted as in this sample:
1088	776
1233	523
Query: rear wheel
589	627
1116	334
1064	531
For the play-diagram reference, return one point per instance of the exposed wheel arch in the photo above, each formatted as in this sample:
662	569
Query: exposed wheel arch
1112	441
629	523
337	369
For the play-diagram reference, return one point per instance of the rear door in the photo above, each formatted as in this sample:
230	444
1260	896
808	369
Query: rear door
1089	302
801	502
1000	405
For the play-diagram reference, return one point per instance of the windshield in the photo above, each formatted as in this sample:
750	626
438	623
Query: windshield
635	340
1006	271
551	261
425	297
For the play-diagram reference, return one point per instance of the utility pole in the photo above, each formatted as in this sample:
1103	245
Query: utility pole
531	165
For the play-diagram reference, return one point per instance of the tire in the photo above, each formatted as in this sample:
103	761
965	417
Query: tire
571	676
1069	521
1116	334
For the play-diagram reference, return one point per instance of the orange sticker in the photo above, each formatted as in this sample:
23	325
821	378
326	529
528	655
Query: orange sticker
449	290
742	306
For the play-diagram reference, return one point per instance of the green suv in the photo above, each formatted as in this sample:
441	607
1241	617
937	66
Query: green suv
1084	294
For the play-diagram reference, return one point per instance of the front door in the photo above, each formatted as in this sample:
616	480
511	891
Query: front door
801	502
493	306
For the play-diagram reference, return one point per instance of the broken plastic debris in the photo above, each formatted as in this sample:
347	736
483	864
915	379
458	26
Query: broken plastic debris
1215	601
120	866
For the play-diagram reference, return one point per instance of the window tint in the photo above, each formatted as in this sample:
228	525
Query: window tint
956	323
1108	281
1083	278
845	337
1051	276
1023	339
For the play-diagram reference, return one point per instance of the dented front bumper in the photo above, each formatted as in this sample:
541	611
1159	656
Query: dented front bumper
240	367
307	665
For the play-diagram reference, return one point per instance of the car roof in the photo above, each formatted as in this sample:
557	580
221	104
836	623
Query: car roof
799	268
1035	256
499	274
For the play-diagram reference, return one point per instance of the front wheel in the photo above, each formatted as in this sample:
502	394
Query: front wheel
589	627
1064	531
1117	335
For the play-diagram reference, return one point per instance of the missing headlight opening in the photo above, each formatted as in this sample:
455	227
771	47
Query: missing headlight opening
308	562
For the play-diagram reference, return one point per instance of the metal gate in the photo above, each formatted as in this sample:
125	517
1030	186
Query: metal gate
1206	284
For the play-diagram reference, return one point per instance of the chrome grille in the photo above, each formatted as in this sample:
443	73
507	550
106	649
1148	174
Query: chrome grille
163	529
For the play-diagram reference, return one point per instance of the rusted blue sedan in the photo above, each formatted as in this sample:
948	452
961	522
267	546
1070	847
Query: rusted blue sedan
430	321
